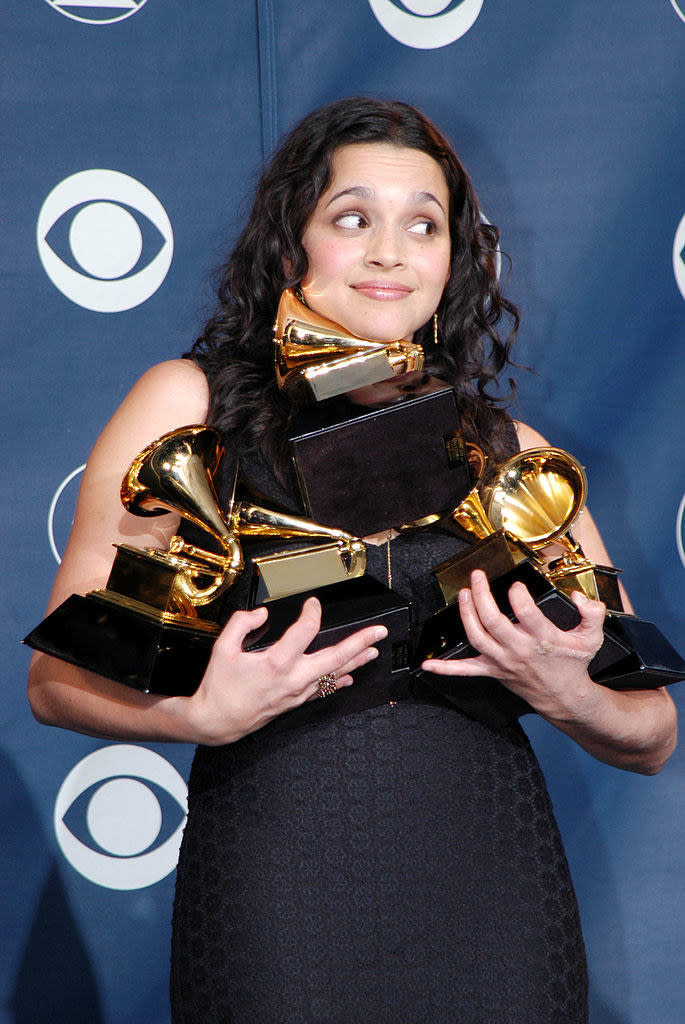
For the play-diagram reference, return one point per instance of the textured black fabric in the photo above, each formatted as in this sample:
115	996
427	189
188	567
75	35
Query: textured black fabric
399	864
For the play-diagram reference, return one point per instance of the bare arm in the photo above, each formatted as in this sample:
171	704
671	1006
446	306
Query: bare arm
239	692
635	730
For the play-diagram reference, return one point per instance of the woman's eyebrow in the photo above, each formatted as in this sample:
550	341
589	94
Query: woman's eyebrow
427	197
360	191
363	192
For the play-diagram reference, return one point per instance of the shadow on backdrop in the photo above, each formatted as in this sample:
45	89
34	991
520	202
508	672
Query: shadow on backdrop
55	980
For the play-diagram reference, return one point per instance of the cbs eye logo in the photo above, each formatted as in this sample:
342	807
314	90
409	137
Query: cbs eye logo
680	530
109	817
61	512
679	9
679	256
426	24
97	13
104	240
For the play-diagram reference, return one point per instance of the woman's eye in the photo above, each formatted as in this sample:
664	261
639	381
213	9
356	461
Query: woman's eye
423	227
350	220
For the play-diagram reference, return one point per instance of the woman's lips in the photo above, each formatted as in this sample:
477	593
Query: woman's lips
383	290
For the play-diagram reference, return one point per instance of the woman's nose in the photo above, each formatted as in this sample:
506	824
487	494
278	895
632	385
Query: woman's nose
385	248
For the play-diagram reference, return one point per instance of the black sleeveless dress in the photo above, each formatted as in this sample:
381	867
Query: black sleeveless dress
399	864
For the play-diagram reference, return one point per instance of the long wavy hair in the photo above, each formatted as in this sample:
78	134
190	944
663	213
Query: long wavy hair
235	348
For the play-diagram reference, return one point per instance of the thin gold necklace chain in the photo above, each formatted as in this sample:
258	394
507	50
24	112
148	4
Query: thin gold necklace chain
387	548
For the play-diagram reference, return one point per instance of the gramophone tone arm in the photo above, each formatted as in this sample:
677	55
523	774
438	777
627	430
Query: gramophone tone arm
249	520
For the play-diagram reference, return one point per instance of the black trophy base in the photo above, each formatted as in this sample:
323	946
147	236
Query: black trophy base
123	645
409	458
650	660
345	608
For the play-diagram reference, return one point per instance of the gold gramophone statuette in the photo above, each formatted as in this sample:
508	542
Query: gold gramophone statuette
153	624
538	496
530	505
494	549
176	474
311	349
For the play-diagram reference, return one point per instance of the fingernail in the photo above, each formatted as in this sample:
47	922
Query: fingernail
478	575
464	596
371	654
381	633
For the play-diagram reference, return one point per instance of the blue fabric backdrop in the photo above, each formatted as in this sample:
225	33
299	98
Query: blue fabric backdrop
569	118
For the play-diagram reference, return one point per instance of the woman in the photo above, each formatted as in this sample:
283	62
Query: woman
401	863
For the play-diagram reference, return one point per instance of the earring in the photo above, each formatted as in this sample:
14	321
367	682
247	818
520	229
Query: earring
436	340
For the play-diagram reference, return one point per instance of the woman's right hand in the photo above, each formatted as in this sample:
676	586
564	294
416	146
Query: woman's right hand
241	690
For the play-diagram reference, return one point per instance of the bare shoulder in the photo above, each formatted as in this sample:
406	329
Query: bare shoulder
528	437
176	388
177	373
169	395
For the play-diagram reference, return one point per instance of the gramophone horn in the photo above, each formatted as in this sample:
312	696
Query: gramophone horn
175	474
537	496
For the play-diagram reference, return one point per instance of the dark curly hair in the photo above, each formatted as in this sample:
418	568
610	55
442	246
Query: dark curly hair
236	349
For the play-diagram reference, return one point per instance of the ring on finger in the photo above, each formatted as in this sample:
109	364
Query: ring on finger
326	685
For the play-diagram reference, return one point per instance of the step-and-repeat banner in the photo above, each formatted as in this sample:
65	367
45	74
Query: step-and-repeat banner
134	130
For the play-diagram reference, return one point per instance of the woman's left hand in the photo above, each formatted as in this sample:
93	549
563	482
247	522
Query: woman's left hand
545	665
631	729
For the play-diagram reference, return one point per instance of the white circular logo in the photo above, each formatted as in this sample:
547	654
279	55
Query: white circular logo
680	530
426	24
61	512
97	12
679	256
105	224
113	799
678	9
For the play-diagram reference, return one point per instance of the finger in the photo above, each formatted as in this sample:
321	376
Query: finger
353	649
312	692
457	667
531	619
363	658
239	625
343	676
592	613
486	628
491	618
298	637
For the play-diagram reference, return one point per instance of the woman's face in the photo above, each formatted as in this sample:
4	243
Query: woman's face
378	241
